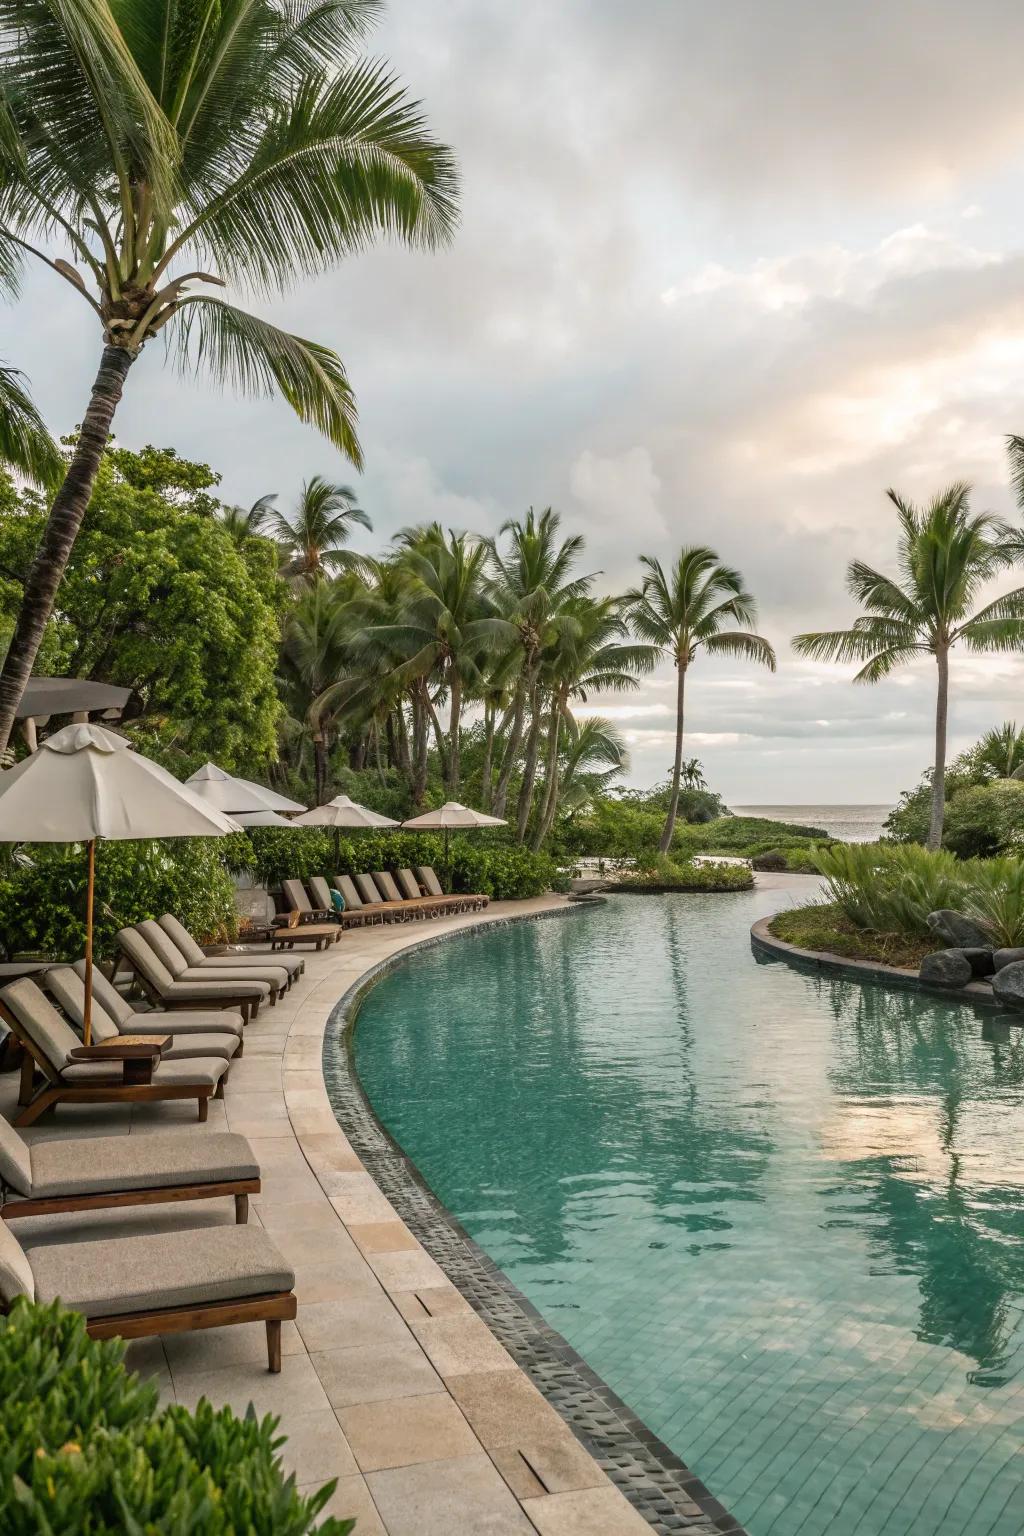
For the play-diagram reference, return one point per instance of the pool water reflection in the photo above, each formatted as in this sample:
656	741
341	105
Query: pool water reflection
781	1215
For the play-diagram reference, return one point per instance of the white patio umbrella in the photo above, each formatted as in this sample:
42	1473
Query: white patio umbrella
452	817
259	819
85	783
341	812
233	795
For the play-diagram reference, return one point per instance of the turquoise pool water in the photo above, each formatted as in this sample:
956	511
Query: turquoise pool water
782	1216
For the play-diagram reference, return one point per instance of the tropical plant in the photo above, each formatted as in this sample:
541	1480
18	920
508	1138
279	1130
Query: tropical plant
695	606
244	523
1002	751
946	555
691	774
995	898
25	443
887	888
312	539
167	145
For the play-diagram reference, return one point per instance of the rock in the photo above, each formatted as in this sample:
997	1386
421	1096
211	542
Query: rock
1008	984
947	968
957	931
982	962
1005	957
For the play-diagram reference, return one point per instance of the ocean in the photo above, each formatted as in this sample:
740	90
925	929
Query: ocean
850	823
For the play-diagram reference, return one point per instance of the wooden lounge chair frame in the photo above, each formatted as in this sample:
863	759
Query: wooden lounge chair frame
273	1309
243	1003
167	1194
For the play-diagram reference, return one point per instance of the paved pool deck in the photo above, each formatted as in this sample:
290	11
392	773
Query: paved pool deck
390	1382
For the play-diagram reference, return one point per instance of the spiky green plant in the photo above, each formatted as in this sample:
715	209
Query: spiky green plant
995	897
890	888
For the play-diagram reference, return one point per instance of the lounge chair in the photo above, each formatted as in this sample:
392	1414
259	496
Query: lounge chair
180	1023
302	922
468	901
160	942
162	1282
393	911
355	903
418	905
127	1070
195	955
67	988
320	891
94	1172
161	988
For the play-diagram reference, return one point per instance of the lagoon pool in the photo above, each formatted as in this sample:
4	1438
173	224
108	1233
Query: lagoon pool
782	1216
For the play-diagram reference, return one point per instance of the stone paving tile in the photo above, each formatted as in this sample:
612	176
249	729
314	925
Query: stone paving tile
504	1409
406	1271
591	1512
381	1236
399	1434
460	1343
345	1324
334	1281
556	1463
296	1390
366	1373
464	1495
216	1349
430	1301
297	1216
351	1499
316	1449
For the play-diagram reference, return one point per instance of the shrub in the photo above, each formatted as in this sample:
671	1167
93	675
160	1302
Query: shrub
504	873
985	819
42	900
85	1451
774	861
890	888
662	873
995	897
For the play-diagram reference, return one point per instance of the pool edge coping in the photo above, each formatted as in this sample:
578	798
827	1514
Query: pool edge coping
410	1193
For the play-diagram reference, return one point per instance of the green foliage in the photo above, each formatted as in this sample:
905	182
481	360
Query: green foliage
985	819
159	598
890	889
42	898
825	928
662	873
87	1452
794	859
995	897
501	871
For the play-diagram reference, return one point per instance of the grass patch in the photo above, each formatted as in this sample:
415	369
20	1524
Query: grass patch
826	927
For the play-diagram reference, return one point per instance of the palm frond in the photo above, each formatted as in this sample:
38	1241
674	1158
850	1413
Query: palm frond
25	443
738	643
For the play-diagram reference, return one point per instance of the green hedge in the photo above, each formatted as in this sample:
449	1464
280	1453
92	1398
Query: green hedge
86	1451
664	874
42	901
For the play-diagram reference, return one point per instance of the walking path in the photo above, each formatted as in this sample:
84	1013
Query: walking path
390	1382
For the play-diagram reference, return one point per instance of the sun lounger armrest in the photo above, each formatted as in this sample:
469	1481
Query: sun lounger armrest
126	1048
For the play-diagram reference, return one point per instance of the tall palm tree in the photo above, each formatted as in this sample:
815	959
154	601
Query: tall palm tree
315	663
695	606
692	774
595	755
248	522
449	627
946	555
589	654
531	580
163	145
25	443
312	538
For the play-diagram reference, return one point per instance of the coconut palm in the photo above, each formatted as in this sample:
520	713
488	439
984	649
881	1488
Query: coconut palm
1002	750
594	756
312	538
244	523
691	774
946	555
25	444
162	146
695	606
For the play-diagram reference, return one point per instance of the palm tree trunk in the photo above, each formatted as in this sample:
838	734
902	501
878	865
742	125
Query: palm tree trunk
549	796
402	738
320	766
939	773
454	726
529	769
419	746
392	745
62	525
511	753
439	738
673	804
490	723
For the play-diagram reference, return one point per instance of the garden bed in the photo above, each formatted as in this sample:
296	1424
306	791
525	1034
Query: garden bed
825	928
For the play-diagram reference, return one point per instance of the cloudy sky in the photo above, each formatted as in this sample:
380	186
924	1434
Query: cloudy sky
725	272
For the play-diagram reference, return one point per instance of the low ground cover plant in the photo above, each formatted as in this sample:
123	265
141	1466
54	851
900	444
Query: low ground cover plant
90	1453
662	873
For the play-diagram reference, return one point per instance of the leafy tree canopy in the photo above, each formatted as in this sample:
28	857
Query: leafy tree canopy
159	598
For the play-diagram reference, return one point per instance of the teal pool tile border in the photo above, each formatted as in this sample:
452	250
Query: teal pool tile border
656	1481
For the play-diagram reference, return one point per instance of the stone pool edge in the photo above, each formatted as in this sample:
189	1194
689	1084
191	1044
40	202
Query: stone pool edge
657	1482
765	944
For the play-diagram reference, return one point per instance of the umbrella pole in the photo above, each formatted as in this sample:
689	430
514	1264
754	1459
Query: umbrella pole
89	893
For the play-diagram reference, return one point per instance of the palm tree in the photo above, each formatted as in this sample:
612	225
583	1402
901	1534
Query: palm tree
530	583
243	523
315	662
946	554
589	654
691	774
1002	750
311	539
448	630
692	608
594	756
25	443
162	146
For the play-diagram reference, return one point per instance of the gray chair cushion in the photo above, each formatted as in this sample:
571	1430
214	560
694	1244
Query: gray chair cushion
180	936
98	1164
144	959
408	885
295	896
272	976
201	1043
195	956
68	988
161	1269
321	893
188	1021
161	944
429	879
16	1278
15	1159
182	991
38	1020
114	1004
386	885
367	890
204	1072
346	885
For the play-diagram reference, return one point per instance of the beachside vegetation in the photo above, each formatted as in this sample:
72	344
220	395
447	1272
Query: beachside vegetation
88	1450
660	872
229	146
984	799
947	554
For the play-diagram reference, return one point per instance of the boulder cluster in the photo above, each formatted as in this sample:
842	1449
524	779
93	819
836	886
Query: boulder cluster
970	957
